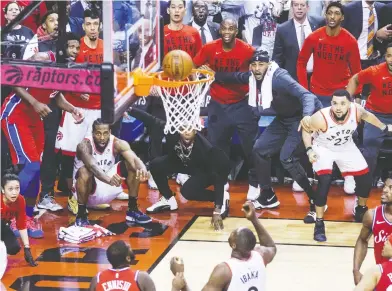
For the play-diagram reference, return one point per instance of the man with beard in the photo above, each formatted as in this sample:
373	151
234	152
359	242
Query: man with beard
331	143
379	103
190	153
376	222
208	30
335	55
277	93
99	179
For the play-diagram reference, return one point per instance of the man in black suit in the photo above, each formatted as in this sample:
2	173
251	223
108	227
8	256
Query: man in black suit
384	34
189	153
291	35
208	30
362	20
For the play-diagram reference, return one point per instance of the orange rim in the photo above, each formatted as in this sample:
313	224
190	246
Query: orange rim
173	83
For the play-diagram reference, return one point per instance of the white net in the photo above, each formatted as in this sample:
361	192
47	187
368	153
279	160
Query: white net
182	104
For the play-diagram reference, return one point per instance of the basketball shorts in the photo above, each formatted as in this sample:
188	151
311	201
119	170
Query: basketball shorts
102	193
25	137
349	160
70	134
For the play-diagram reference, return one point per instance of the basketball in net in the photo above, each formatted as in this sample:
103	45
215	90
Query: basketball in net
177	65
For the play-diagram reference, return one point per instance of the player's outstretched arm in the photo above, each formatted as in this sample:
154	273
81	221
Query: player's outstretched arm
84	152
232	78
267	248
63	104
361	246
369	280
363	114
353	85
145	282
219	279
146	118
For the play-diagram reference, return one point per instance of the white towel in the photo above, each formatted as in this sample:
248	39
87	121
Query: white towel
266	88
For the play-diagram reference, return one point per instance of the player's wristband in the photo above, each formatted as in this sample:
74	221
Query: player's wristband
216	213
308	149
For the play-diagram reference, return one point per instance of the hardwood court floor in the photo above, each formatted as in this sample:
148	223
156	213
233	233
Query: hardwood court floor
300	264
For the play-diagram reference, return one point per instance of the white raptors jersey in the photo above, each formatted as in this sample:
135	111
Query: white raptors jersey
247	275
105	159
337	135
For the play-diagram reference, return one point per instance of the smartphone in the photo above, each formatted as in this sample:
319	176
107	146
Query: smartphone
246	208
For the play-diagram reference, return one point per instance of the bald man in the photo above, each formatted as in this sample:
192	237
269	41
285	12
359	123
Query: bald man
246	269
228	110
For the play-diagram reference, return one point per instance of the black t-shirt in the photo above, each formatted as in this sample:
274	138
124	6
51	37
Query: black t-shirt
15	42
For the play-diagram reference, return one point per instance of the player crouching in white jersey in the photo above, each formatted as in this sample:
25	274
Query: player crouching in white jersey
333	128
98	178
246	269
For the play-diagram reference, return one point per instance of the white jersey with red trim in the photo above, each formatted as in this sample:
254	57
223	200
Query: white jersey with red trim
337	135
106	159
247	275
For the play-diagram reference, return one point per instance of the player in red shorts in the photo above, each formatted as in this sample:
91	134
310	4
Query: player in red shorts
13	206
379	277
378	222
177	35
121	276
21	122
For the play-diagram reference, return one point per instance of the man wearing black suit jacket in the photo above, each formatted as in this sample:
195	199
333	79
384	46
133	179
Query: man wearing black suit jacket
359	22
189	153
208	30
384	33
289	37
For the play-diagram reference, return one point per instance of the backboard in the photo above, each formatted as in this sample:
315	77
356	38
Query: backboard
136	44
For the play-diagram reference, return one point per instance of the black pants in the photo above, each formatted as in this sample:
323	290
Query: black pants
9	239
49	158
155	108
224	119
195	187
281	135
373	139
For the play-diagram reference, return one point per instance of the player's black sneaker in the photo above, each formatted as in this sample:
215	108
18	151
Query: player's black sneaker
358	212
268	199
319	231
311	215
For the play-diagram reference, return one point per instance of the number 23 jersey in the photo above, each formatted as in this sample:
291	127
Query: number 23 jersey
337	135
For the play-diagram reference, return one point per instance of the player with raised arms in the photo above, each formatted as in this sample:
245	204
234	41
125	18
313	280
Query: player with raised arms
331	143
98	178
376	221
246	269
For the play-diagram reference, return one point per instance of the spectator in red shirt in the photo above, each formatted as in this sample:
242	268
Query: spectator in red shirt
228	109
13	207
379	102
335	53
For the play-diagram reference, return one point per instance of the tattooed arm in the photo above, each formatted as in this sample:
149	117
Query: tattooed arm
84	152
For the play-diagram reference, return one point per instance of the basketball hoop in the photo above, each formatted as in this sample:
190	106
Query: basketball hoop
181	99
